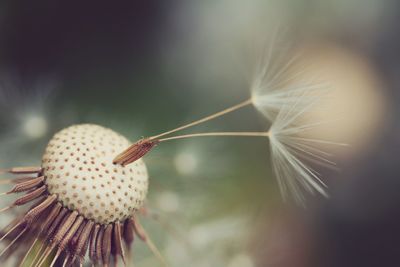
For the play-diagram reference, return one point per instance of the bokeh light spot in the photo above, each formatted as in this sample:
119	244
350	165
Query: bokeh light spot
186	163
35	126
168	201
241	260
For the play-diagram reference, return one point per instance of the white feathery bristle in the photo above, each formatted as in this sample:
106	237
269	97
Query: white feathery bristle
284	97
272	100
292	150
274	85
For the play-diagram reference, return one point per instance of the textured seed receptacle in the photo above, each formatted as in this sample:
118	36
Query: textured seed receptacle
78	168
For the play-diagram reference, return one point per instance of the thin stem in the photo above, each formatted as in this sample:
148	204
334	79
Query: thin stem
5	209
243	134
29	251
13	242
213	116
150	244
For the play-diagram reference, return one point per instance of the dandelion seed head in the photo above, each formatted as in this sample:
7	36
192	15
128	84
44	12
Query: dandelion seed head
79	170
80	202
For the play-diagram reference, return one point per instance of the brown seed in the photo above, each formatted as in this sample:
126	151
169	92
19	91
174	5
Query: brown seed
51	217
64	227
92	248
31	196
118	248
106	244
70	234
128	234
26	170
37	211
75	238
83	241
135	151
27	185
99	244
55	223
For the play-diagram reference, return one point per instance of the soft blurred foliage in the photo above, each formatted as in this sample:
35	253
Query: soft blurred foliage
141	68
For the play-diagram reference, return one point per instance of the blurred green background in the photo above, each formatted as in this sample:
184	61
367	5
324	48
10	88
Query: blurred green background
142	68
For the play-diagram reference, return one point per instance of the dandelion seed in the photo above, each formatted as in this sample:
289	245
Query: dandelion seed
136	151
282	103
269	94
72	212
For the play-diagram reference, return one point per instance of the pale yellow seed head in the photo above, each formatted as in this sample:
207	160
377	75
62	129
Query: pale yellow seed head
78	167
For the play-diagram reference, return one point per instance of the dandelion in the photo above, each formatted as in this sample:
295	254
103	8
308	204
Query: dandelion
86	195
80	202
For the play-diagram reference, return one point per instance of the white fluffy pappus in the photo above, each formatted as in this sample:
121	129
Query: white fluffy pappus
293	151
274	84
285	100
